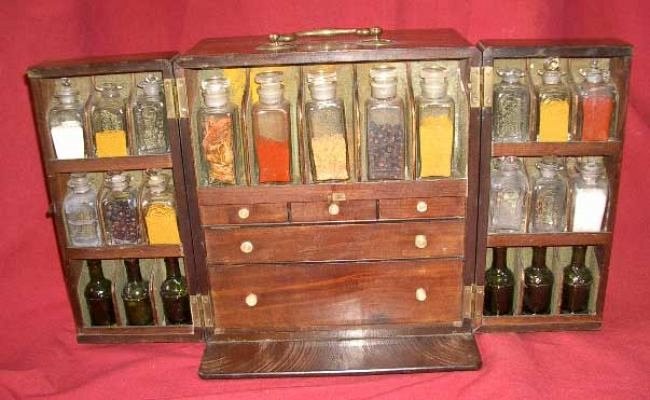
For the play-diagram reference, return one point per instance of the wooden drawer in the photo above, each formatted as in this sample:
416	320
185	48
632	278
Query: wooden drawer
373	241
323	211
425	207
280	297
244	213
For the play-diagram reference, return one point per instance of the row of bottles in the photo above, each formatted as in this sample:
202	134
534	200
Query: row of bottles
538	281
103	132
553	201
121	214
136	296
385	130
596	99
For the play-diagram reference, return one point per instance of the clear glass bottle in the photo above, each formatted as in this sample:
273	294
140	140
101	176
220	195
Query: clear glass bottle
175	296
159	211
385	130
436	117
589	198
577	283
549	198
219	129
108	120
511	107
597	105
538	284
150	118
99	296
272	129
499	285
80	213
121	212
136	297
508	196
553	115
326	128
65	120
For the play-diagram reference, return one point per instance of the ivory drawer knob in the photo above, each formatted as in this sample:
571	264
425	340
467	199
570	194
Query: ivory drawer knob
420	294
243	213
422	206
251	300
334	209
420	241
246	247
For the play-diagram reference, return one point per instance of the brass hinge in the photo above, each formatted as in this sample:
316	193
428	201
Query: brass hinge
201	311
207	311
472	301
170	98
488	85
181	96
475	87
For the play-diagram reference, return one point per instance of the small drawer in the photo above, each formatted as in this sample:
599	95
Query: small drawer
353	210
426	207
244	214
344	242
279	297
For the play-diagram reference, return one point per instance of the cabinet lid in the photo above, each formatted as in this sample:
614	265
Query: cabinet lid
498	48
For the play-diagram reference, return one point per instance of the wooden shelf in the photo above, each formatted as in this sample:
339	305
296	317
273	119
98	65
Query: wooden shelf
137	334
536	149
548	239
523	323
111	163
118	252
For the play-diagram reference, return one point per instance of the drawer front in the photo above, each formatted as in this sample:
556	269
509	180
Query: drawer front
280	297
426	207
244	213
354	210
375	241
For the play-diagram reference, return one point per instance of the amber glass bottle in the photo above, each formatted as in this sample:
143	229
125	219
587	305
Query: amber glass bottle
175	296
577	283
499	285
538	284
98	295
137	301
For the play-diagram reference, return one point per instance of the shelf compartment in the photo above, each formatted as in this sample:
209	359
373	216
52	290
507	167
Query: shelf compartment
536	149
111	163
118	252
548	239
524	323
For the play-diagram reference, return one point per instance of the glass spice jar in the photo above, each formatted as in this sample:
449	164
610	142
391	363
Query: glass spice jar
436	117
108	120
80	213
554	105
385	130
65	121
159	211
326	129
121	212
150	118
597	105
219	128
511	105
272	129
589	198
508	196
549	198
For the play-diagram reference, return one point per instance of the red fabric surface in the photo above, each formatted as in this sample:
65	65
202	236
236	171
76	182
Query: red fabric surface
38	353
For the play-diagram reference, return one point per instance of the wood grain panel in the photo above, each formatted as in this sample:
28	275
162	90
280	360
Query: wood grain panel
257	213
354	210
379	241
313	296
436	207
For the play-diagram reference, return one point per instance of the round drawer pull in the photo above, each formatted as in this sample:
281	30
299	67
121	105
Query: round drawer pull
420	294
420	241
334	209
246	247
251	300
243	213
422	206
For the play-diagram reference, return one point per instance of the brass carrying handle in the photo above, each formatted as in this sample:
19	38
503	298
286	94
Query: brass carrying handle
277	38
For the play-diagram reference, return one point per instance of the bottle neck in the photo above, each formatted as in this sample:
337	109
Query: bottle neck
172	268
95	270
578	256
133	270
500	256
539	257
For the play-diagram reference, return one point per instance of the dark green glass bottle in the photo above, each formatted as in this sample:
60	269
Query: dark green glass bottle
98	295
175	297
577	283
137	302
499	285
538	284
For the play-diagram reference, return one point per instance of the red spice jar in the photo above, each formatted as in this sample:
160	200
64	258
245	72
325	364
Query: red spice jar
597	105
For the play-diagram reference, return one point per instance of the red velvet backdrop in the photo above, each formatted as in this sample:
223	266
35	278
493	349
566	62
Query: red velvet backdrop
40	357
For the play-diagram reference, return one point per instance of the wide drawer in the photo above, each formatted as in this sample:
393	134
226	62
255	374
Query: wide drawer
369	241
323	211
423	207
303	296
244	213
